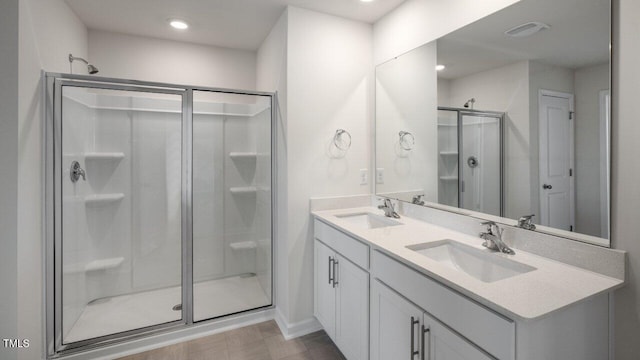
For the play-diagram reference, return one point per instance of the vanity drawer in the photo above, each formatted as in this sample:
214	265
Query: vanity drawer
347	246
487	329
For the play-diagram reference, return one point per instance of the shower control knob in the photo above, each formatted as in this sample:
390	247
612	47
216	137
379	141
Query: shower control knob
547	186
75	172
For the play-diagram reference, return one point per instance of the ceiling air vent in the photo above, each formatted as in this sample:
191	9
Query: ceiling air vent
527	29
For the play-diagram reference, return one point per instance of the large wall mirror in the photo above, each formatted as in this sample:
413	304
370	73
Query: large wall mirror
508	116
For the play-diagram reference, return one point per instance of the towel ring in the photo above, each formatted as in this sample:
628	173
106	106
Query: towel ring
407	140
340	142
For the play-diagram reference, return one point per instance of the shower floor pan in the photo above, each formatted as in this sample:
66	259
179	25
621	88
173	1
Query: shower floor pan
127	312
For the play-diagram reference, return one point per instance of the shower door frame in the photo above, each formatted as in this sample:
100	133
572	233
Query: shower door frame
52	212
471	112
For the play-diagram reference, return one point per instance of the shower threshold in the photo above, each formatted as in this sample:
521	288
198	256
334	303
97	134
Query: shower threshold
212	299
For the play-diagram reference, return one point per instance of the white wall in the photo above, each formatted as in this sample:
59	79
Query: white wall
417	22
144	58
329	87
9	125
589	82
49	31
271	75
625	173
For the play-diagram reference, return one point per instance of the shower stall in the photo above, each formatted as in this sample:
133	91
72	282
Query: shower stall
470	164
159	207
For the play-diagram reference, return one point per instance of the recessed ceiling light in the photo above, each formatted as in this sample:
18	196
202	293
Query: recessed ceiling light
366	0
527	29
440	67
178	24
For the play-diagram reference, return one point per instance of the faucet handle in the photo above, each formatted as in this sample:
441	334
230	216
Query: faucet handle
490	224
525	222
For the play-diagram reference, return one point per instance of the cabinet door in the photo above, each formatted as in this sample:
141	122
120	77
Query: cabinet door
395	325
352	310
440	343
324	293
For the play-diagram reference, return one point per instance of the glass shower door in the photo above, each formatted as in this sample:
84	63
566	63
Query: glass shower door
119	179
480	162
231	203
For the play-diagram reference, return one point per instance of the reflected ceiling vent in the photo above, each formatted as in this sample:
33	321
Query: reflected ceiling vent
527	29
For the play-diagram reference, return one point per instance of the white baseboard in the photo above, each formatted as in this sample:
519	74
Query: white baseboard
290	331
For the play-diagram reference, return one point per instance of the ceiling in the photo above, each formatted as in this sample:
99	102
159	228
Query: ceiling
239	24
578	37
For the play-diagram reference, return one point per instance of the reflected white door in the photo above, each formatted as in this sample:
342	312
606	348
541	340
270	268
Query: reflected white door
556	129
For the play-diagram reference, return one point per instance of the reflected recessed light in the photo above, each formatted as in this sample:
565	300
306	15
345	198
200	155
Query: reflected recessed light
366	0
178	24
440	67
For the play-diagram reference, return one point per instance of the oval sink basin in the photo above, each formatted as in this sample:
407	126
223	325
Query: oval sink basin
368	220
480	264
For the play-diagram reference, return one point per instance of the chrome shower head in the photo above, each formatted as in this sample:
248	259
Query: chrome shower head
470	103
90	68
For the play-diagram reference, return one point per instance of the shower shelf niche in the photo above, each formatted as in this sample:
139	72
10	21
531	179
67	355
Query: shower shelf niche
104	155
102	199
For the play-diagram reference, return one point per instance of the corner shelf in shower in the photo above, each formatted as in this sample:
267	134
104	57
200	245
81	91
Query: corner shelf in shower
104	264
449	178
95	265
102	199
243	190
448	153
243	155
103	155
243	245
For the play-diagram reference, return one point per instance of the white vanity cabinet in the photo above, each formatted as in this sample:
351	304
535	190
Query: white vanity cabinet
341	299
402	330
416	317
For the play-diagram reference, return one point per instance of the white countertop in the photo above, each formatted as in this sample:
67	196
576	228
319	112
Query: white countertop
551	287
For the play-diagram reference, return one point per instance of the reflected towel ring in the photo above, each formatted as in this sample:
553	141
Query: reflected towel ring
406	140
339	140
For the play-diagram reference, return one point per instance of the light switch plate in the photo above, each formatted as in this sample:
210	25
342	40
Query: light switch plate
380	175
364	176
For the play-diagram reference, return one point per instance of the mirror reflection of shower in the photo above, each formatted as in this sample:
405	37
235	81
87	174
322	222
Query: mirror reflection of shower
470	161
91	69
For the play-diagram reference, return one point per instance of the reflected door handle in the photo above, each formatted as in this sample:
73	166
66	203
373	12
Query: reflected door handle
547	186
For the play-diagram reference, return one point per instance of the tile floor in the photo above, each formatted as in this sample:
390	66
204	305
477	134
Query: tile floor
256	342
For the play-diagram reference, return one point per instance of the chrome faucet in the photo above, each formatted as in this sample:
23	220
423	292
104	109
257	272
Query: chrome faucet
417	199
493	240
389	211
526	223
